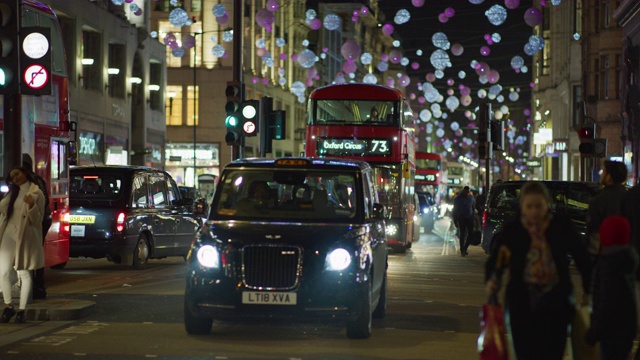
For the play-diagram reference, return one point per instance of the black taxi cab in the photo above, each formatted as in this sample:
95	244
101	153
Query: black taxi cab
293	240
128	214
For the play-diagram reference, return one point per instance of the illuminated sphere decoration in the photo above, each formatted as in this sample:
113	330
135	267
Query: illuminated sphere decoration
310	14
533	16
485	51
452	103
332	22
457	49
272	5
496	15
188	41
440	40
366	58
178	17
370	79
454	126
227	36
135	8
169	38
395	56
117	2
402	16
280	42
349	67
512	4
425	115
178	52
417	3
450	12
443	18
440	59
219	10
315	24
383	66
387	29
306	58
517	62
264	18
351	50
218	50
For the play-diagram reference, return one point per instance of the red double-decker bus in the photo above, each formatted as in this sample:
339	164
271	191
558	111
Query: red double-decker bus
429	174
375	124
46	133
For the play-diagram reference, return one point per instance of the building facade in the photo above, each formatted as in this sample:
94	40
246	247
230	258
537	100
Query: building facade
117	81
628	17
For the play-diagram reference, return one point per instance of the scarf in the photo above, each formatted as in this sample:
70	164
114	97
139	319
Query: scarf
540	273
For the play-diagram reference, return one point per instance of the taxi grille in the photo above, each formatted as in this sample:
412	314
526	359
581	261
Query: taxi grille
271	267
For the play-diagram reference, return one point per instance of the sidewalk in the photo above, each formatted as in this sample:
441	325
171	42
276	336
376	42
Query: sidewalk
52	309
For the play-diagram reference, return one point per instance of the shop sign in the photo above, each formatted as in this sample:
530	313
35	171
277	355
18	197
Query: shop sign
534	163
561	146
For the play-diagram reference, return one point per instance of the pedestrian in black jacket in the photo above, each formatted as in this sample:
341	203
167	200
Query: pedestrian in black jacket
539	295
463	218
613	316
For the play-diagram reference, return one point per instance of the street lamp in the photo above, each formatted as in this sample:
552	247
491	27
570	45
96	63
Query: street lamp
195	107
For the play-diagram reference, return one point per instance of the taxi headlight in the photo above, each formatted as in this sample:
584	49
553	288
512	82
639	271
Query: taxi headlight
208	256
391	229
339	259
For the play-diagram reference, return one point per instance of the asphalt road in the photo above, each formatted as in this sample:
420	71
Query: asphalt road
434	299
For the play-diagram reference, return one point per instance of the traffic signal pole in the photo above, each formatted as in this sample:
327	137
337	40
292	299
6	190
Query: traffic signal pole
237	151
12	132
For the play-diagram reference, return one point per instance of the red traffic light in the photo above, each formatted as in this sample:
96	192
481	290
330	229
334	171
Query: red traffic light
586	132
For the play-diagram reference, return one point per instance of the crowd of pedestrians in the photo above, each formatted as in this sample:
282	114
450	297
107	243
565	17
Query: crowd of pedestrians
535	248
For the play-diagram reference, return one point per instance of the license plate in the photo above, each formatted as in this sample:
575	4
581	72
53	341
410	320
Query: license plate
77	230
82	219
269	298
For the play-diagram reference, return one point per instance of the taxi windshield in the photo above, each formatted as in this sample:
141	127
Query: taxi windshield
355	112
274	195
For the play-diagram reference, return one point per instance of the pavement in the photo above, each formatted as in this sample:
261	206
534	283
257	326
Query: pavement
51	309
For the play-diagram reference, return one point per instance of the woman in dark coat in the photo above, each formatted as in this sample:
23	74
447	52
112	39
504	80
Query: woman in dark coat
534	248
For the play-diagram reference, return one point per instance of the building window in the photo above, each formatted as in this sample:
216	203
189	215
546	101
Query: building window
174	105
192	105
117	70
606	14
91	60
196	5
546	35
155	85
165	28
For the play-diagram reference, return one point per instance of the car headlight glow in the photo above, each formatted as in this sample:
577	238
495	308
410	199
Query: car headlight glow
339	259
391	229
208	256
425	210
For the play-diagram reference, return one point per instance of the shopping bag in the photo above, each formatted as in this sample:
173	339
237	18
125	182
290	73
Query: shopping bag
492	341
579	327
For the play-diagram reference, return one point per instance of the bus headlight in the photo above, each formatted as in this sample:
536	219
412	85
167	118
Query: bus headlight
208	256
391	229
339	259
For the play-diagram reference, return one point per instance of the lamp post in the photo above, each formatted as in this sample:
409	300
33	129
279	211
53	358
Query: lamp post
195	107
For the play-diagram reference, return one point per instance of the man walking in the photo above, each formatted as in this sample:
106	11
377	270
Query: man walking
607	202
463	218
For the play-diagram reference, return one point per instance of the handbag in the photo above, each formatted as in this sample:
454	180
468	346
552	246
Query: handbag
492	341
579	327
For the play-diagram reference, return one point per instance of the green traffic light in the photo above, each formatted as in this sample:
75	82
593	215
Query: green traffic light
2	77
232	121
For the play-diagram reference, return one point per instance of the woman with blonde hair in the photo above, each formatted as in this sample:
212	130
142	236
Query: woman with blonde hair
539	301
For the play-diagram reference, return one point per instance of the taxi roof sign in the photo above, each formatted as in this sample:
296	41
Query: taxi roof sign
292	162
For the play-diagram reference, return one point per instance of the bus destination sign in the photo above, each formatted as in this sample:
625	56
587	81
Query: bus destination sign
354	147
426	177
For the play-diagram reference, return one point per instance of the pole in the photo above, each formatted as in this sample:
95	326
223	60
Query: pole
195	108
12	132
237	150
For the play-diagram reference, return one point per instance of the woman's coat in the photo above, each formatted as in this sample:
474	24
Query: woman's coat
29	249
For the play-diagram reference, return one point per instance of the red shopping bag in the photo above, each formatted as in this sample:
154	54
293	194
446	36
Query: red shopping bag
492	342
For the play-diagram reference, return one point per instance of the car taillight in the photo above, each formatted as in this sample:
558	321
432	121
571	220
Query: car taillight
484	218
64	222
120	222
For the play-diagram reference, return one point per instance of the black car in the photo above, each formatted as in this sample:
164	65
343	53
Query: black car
128	214
570	198
291	239
428	212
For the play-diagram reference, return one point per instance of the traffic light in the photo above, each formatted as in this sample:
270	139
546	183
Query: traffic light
496	134
277	125
587	134
251	117
9	47
233	119
35	61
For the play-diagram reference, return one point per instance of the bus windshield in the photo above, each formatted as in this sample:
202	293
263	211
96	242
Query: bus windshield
428	164
354	112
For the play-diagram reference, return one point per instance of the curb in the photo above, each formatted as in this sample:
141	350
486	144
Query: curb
59	309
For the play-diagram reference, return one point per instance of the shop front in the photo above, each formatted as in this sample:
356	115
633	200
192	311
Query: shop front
179	162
